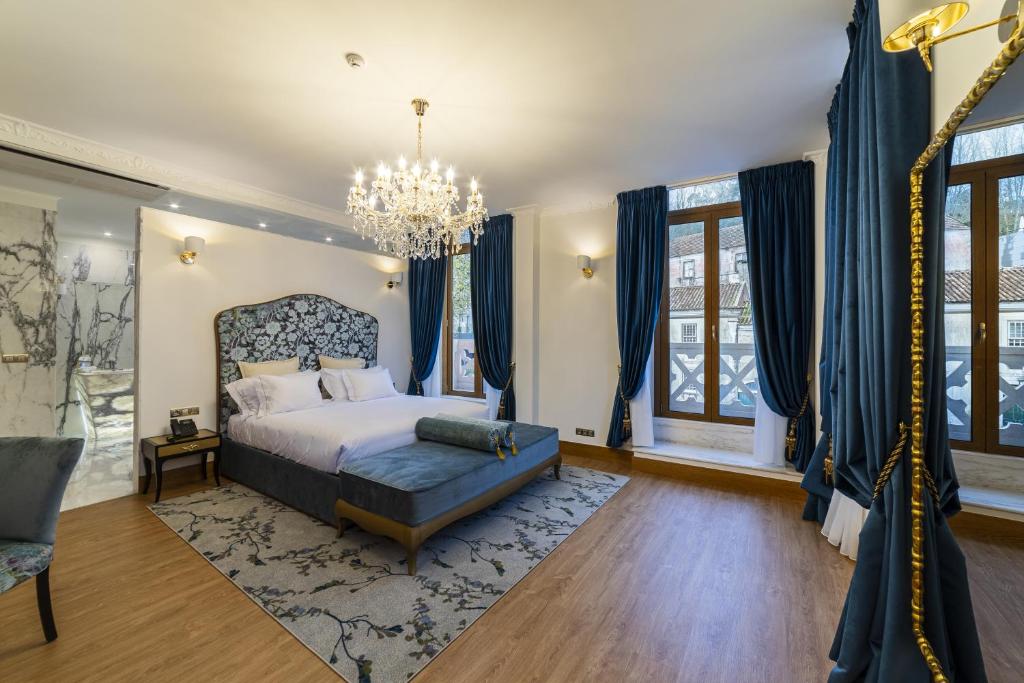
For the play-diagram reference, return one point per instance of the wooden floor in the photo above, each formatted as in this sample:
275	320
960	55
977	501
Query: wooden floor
672	580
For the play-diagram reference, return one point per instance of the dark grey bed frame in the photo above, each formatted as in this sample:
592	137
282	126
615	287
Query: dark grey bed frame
303	325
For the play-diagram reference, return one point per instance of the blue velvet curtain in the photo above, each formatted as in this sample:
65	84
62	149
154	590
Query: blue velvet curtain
778	221
883	123
491	295
427	281
817	479
641	242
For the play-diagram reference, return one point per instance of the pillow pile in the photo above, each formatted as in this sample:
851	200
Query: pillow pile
268	393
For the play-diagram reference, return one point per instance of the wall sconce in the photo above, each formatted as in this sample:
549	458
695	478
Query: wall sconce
395	280
583	263
193	245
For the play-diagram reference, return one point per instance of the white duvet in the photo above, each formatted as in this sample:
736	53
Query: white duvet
336	432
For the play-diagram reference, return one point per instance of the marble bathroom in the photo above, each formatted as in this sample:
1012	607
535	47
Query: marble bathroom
67	300
94	365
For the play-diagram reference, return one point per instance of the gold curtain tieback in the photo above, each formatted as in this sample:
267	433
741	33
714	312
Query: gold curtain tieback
501	401
791	433
627	423
829	467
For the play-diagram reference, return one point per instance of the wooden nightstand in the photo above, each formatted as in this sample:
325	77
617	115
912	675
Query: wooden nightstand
158	449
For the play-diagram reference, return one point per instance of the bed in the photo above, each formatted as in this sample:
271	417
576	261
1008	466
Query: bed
295	457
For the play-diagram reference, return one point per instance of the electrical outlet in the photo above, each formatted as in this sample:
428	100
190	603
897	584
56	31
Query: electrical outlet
182	412
15	357
580	431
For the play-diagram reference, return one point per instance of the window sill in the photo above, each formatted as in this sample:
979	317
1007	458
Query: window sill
468	399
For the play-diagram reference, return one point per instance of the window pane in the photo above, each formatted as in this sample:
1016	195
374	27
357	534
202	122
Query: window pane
463	347
957	311
704	194
686	317
737	369
993	143
1011	311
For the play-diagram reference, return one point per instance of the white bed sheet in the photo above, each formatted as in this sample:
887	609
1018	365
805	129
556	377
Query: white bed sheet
336	432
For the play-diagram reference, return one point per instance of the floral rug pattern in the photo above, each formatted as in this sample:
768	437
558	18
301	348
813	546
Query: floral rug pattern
350	600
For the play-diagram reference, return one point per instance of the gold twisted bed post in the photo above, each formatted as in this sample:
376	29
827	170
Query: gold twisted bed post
1009	53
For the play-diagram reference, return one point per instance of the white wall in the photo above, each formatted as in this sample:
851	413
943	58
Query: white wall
177	303
578	350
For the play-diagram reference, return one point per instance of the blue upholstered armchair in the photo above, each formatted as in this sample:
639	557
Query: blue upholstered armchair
33	474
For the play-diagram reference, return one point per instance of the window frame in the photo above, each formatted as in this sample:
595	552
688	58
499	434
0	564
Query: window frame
711	216
983	178
446	389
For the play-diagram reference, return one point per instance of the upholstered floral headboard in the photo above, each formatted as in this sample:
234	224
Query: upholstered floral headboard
303	325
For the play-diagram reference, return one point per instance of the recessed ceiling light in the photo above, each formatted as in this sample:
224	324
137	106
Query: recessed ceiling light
174	205
108	234
263	225
329	239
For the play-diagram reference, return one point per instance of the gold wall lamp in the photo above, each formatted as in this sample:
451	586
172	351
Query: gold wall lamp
395	280
193	245
929	25
583	263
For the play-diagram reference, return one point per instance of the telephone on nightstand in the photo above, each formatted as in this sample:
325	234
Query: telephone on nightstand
183	428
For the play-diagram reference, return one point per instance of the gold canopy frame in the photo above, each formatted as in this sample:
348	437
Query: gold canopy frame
1009	52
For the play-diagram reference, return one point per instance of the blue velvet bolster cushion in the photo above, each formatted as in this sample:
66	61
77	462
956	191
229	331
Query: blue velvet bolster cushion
418	482
468	432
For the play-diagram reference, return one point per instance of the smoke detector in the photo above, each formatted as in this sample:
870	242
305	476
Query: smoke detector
355	60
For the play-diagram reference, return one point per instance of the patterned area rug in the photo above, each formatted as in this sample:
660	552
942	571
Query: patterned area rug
350	600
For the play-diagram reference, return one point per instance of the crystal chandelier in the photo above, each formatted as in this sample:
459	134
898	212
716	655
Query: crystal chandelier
419	213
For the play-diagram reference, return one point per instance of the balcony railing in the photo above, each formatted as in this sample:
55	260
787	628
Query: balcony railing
737	381
1011	394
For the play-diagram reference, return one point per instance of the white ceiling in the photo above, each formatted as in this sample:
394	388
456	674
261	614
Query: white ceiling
546	102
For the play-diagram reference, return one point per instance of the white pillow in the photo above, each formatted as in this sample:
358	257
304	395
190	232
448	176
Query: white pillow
248	395
366	385
341	363
334	381
286	393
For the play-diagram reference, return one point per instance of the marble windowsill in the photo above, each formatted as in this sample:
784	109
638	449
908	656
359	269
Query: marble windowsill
995	502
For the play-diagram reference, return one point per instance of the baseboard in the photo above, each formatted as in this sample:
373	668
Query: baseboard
588	450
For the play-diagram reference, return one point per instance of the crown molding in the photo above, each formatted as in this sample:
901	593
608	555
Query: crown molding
29	136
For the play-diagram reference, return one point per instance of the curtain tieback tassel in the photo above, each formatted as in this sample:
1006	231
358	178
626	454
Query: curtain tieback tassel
791	433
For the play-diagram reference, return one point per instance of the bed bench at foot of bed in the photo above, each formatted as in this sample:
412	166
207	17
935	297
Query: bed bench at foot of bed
410	493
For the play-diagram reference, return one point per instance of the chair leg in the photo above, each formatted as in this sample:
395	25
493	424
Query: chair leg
45	607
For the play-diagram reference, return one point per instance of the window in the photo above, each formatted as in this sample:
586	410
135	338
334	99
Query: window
704	360
461	373
1015	333
984	292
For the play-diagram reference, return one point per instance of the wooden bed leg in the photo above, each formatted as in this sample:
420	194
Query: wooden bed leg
558	469
410	559
342	525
